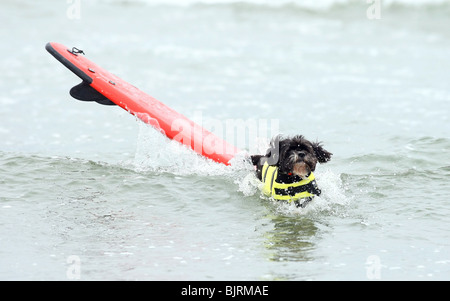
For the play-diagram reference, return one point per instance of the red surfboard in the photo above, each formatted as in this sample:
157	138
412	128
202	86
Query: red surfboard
105	88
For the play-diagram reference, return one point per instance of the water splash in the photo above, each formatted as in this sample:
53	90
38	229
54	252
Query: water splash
249	185
157	153
333	197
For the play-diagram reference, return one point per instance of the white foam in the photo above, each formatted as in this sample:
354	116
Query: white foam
249	185
157	153
333	196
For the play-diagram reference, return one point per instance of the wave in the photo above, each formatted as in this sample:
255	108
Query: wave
417	168
309	5
428	153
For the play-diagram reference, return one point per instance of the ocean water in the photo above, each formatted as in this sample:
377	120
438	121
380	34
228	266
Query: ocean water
88	192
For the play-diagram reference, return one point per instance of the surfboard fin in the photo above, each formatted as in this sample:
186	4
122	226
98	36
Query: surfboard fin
85	92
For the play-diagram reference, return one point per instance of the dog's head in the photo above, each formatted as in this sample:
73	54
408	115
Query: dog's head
296	155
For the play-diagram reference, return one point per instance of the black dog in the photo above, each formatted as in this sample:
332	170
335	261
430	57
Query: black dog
287	169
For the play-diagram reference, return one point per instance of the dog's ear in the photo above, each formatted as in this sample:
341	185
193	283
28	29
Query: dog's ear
322	155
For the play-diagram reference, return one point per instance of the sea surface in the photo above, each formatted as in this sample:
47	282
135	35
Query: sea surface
89	192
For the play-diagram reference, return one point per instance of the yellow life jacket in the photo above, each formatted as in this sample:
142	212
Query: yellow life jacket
291	188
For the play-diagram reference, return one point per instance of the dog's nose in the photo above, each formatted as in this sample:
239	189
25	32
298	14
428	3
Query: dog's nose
301	154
